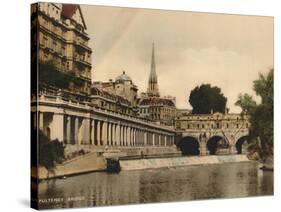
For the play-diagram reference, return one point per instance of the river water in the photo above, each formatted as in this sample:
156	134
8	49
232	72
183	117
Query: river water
158	185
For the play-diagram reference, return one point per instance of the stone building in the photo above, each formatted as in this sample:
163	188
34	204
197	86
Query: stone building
182	112
105	99
153	107
61	32
92	118
211	121
122	86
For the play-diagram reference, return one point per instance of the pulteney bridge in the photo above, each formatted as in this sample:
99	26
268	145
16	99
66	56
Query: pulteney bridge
212	133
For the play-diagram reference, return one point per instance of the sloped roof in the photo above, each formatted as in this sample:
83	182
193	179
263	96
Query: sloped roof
153	101
100	92
68	10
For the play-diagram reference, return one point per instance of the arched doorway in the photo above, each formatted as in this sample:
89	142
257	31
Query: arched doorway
189	146
217	144
242	144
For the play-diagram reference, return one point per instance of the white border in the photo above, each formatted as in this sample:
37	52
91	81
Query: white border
14	87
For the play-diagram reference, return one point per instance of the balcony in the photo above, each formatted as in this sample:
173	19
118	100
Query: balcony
81	61
82	44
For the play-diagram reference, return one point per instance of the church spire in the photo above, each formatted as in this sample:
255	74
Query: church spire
152	89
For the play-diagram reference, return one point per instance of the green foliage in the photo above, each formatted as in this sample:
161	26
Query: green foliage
49	74
205	98
261	115
246	102
49	152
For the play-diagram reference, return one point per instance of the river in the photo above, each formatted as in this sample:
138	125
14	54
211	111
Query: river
158	185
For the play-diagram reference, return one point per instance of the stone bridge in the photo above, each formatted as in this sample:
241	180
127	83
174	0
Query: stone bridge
213	133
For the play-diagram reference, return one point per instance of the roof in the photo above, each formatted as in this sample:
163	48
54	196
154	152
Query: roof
68	10
123	77
153	101
100	92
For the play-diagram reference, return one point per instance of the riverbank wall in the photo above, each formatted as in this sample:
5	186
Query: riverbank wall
137	159
87	163
154	163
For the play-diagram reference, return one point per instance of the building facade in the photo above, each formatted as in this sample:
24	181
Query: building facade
97	116
153	107
103	98
212	121
63	41
122	86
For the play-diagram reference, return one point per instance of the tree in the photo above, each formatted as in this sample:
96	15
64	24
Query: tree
50	152
206	98
261	115
50	75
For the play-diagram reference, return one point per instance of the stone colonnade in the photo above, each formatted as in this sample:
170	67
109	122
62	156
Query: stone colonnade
102	131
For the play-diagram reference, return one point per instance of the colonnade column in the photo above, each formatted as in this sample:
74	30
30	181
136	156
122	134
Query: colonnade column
93	132
134	137
113	135
118	135
41	121
127	136
85	137
56	127
121	135
76	129
145	138
104	134
109	134
68	130
124	135
99	133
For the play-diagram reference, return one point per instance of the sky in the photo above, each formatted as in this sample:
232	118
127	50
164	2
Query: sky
191	48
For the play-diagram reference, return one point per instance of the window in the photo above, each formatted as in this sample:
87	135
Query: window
218	125
63	52
45	41
55	45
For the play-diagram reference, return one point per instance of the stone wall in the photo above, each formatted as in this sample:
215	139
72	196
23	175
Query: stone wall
85	163
154	163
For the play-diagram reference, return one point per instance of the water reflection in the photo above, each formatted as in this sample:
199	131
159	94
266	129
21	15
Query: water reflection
161	185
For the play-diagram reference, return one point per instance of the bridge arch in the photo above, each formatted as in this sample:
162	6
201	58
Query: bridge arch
215	143
241	144
189	145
